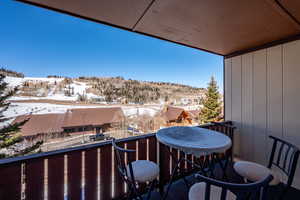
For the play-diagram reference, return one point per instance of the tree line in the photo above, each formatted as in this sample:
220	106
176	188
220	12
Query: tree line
7	72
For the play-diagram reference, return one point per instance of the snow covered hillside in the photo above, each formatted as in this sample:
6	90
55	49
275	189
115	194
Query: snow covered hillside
50	88
16	81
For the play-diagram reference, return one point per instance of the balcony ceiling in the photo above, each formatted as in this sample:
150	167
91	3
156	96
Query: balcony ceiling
221	27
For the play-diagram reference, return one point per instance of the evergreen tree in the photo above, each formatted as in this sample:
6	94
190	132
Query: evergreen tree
9	136
211	103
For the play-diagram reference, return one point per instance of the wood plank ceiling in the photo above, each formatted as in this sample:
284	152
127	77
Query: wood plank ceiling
221	27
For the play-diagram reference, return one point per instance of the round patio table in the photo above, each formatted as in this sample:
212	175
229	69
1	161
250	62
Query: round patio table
192	140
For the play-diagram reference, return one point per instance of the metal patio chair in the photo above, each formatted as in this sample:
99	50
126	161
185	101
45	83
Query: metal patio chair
284	156
136	172
211	189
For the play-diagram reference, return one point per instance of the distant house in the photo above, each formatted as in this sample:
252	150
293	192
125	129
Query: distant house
44	125
179	116
92	120
175	115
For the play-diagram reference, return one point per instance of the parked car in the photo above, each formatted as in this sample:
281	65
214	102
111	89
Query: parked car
100	136
97	137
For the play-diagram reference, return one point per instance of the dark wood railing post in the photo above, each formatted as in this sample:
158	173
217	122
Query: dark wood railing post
91	173
105	172
74	174
10	181
153	152
56	177
35	172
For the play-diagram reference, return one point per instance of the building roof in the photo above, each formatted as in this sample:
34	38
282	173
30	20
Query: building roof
54	123
221	27
41	124
172	113
92	116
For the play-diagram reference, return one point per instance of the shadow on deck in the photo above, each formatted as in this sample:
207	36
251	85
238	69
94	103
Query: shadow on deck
179	190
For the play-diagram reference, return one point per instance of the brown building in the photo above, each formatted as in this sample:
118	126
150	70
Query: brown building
44	125
74	121
92	120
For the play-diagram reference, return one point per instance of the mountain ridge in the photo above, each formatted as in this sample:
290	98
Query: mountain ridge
103	90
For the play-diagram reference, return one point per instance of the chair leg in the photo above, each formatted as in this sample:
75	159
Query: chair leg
187	184
264	193
130	194
174	172
222	165
152	185
133	192
283	193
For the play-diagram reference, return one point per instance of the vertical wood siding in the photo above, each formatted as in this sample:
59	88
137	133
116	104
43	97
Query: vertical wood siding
262	97
275	89
227	89
246	138
236	98
291	95
260	106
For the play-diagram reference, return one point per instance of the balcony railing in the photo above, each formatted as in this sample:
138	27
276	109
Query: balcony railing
86	172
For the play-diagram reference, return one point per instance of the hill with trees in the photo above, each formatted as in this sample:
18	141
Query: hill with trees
105	90
138	92
7	72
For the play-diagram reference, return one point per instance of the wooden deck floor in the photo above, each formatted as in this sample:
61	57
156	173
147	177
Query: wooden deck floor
179	191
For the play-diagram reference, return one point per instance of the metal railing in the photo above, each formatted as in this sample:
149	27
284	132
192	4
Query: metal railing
86	172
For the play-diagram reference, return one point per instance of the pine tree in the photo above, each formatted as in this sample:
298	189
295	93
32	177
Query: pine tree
9	136
211	103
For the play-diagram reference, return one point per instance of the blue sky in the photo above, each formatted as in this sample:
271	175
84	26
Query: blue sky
39	42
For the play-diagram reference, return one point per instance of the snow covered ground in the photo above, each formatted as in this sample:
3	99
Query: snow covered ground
17	109
135	111
194	107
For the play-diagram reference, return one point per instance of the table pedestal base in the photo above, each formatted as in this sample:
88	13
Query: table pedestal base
206	168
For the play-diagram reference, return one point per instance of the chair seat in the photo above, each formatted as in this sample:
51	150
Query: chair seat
144	170
255	172
197	192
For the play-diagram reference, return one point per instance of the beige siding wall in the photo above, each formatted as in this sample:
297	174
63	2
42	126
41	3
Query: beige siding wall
247	99
262	97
